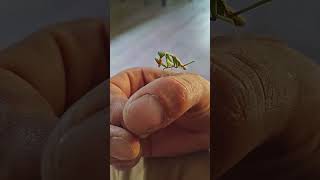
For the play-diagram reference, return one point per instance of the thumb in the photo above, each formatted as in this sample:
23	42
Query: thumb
164	100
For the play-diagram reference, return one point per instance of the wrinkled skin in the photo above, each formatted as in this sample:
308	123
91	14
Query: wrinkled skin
155	113
265	114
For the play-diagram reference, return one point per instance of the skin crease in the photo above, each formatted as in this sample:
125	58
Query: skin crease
265	118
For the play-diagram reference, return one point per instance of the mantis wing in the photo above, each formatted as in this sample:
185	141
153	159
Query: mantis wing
169	61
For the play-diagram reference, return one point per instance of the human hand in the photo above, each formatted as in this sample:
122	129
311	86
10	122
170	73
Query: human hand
266	118
41	77
154	114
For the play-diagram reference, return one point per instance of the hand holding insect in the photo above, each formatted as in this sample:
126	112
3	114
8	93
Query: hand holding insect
172	61
153	120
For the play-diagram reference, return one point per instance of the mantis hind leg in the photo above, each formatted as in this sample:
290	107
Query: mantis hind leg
176	64
183	67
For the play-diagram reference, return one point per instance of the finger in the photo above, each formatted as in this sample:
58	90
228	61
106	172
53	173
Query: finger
117	104
71	57
81	152
250	105
77	116
123	165
123	145
129	81
95	100
171	142
124	84
162	101
125	148
26	120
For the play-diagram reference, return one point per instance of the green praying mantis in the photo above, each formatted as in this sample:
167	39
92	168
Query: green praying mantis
171	61
221	10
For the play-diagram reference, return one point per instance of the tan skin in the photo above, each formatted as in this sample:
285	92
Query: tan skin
166	124
267	102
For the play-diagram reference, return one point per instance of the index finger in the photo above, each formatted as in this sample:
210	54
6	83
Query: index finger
165	100
129	81
126	83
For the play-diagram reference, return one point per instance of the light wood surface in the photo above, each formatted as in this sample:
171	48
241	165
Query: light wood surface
181	28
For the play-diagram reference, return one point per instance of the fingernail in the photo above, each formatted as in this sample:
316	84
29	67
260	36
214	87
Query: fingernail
144	115
123	150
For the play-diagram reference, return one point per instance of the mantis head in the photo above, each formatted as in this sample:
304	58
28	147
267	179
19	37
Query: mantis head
161	54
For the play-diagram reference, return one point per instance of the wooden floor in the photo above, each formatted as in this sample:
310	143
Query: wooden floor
181	28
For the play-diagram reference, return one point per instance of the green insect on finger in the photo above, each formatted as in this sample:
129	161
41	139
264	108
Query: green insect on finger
171	61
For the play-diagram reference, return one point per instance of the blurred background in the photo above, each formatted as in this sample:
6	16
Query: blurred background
141	28
294	21
20	18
